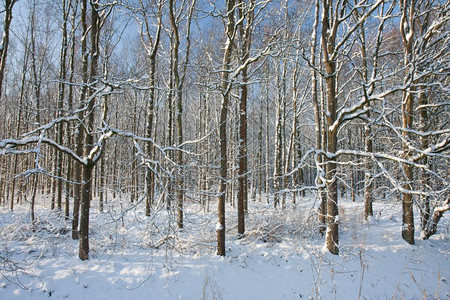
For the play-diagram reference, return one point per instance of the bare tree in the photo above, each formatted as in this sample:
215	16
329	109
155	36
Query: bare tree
245	11
333	16
370	64
61	94
92	152
178	81
151	44
226	88
407	29
79	139
424	32
322	211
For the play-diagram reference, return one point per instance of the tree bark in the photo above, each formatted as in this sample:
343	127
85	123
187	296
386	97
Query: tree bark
80	131
152	50
86	194
246	36
329	28
5	39
322	211
61	94
407	24
226	87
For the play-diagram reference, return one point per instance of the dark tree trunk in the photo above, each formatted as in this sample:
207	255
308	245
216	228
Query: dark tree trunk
328	44
226	87
245	36
84	210
86	193
149	148
5	39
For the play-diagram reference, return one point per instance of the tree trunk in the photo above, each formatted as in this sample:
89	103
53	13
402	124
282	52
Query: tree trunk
368	183
226	87
322	211
267	152
69	139
279	137
84	210
5	39
178	94
102	185
61	94
86	194
328	44
245	36
151	51
243	167
407	30
80	131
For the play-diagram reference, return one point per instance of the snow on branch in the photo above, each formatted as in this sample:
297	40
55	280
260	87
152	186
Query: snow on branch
8	146
354	28
51	124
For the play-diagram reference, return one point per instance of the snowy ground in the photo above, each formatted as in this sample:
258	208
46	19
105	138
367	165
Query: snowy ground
280	257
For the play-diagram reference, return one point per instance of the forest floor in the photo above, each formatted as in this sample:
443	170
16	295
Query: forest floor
280	257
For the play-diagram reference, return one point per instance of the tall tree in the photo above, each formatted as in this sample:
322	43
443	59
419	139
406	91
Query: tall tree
86	193
225	90
178	81
151	44
407	29
330	23
80	132
333	42
92	151
61	94
322	211
369	74
425	35
69	139
281	71
246	11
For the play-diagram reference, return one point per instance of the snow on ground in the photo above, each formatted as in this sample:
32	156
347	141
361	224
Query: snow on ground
280	257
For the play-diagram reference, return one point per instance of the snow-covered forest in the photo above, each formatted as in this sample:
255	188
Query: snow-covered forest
233	149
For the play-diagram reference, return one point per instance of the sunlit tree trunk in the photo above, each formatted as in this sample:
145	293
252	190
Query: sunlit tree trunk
329	32
86	194
226	87
37	95
152	49
279	135
80	131
407	29
322	211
